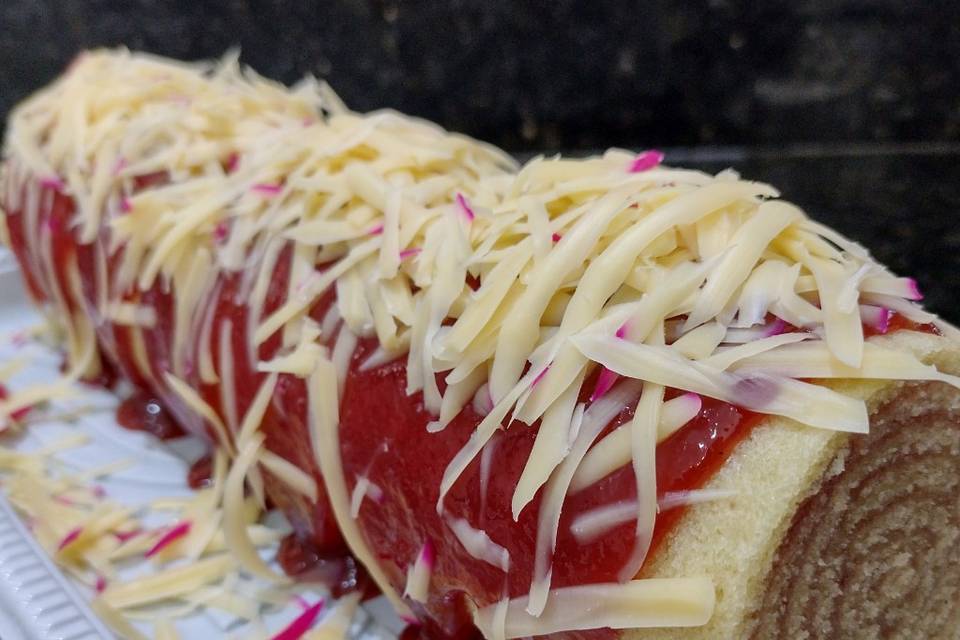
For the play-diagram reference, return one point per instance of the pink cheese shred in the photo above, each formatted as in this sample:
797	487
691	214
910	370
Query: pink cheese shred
233	161
776	328
605	382
220	232
267	189
178	531
540	376
20	413
52	182
301	624
914	294
465	208
69	539
427	555
646	160
124	536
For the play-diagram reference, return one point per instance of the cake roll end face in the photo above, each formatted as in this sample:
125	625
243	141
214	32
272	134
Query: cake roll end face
831	534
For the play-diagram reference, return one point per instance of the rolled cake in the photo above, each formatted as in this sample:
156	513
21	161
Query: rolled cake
578	397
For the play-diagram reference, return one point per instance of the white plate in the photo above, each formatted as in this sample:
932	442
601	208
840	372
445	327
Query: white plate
37	602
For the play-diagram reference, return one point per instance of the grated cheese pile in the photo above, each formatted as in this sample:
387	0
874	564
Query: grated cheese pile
656	276
160	561
181	569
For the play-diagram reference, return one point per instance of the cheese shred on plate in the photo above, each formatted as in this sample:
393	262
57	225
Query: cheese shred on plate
139	572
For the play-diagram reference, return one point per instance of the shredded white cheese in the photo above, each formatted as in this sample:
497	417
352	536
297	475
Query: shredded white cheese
590	525
664	602
479	545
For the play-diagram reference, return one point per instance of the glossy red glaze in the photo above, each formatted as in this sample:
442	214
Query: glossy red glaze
200	475
898	322
407	462
140	412
304	560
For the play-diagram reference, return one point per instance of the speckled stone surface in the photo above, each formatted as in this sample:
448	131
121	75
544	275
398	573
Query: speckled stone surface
557	74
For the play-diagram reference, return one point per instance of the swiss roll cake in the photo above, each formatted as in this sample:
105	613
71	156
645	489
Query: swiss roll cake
576	397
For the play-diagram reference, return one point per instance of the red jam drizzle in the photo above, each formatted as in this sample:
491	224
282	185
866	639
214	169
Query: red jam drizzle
897	322
140	412
301	559
106	379
200	475
297	556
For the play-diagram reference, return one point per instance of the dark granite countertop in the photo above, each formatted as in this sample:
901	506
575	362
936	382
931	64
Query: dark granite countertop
565	73
570	74
901	202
